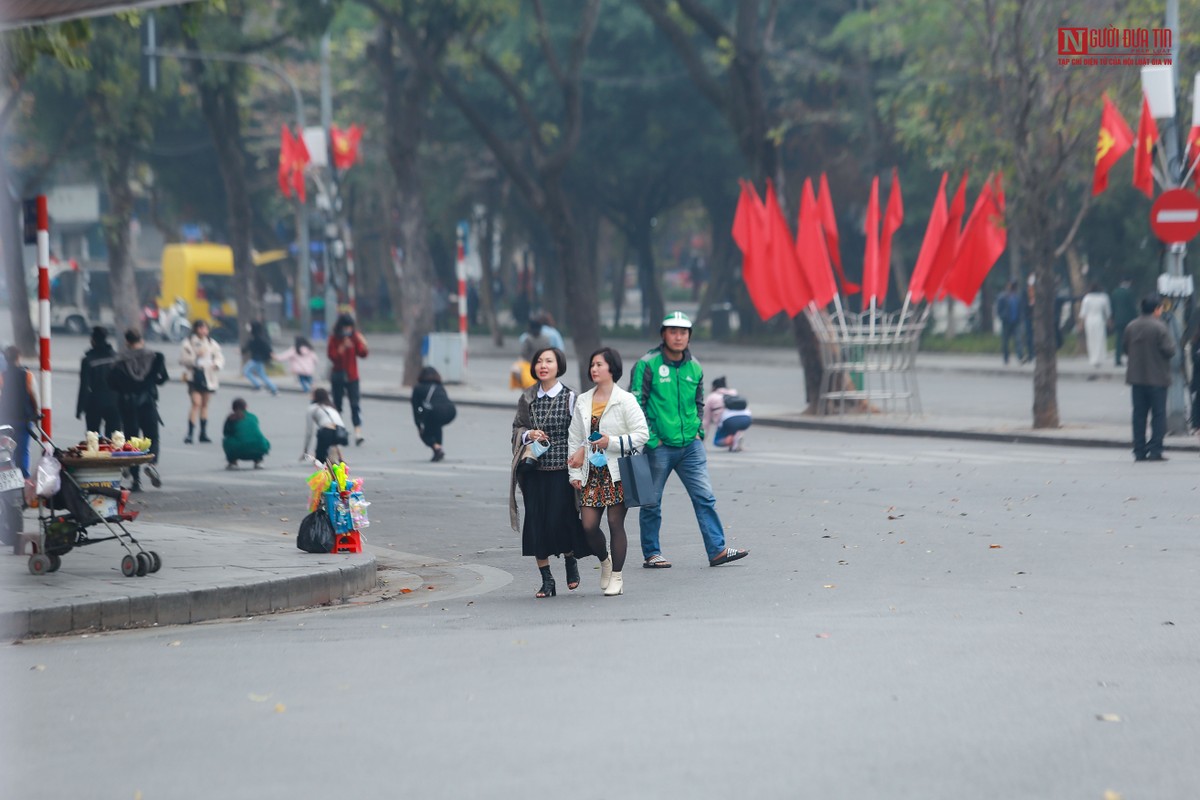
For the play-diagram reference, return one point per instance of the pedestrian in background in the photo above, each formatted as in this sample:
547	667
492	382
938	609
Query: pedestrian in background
1095	318
669	386
551	526
97	401
242	438
346	347
257	353
607	423
1030	296
202	360
18	404
135	378
550	332
301	359
432	410
1149	347
327	422
1194	383
1124	311
727	413
1008	311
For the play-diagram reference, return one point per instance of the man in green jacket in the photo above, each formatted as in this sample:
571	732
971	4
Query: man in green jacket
669	385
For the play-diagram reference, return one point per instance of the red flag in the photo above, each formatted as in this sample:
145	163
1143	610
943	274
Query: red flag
947	248
983	240
870	284
811	249
829	227
345	145
892	219
285	160
300	159
929	245
790	282
1111	143
749	232
1193	154
1147	137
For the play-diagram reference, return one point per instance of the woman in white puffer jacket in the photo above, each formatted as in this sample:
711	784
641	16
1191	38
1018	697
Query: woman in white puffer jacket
607	422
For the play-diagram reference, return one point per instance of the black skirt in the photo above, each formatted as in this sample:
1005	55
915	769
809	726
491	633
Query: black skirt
552	525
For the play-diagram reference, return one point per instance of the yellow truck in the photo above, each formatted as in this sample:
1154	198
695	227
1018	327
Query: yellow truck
202	276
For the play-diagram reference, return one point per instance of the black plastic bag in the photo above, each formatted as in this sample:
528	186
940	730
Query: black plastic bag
316	533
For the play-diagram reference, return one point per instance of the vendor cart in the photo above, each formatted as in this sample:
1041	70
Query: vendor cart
90	496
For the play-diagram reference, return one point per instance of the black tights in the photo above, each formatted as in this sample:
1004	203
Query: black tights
616	531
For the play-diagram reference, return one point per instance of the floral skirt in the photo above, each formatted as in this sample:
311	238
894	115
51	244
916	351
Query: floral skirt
600	491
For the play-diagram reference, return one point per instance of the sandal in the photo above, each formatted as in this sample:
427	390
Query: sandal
730	554
656	561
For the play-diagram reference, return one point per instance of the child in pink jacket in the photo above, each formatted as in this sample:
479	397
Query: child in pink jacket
302	361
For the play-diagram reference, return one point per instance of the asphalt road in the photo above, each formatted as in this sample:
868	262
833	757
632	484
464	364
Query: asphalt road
918	619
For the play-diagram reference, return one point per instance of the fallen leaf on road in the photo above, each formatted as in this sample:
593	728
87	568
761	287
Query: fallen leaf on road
829	586
38	668
175	643
258	698
283	519
406	591
1109	717
822	635
995	547
280	708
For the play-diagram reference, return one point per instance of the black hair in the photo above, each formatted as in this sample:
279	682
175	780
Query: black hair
302	342
345	320
239	408
535	326
1150	302
559	356
321	397
612	358
719	383
132	336
99	335
429	375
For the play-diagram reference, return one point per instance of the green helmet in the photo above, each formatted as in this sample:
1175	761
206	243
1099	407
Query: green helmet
677	319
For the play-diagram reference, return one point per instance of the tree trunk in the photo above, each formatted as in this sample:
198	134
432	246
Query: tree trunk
1045	347
580	281
126	302
653	306
487	251
12	242
219	103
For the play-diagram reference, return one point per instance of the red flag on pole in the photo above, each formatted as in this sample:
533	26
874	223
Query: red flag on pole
285	160
811	249
1147	137
870	284
790	282
893	218
984	239
943	259
1193	153
300	159
345	145
929	245
749	233
829	227
1111	143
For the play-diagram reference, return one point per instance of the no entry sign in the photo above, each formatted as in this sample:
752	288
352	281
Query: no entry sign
1175	216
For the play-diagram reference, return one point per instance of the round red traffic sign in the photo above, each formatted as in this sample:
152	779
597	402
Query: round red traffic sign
1175	216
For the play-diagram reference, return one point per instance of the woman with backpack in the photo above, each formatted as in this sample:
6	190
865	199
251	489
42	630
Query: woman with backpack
727	413
432	410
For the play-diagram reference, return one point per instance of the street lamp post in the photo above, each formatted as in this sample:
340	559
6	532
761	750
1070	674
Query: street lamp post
303	289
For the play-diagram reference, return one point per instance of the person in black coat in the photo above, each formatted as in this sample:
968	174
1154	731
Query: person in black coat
97	402
136	377
432	410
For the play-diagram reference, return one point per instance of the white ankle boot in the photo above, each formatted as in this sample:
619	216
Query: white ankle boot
606	572
615	586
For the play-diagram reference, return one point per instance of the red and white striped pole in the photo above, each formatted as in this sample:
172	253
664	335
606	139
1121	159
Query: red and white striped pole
43	259
461	269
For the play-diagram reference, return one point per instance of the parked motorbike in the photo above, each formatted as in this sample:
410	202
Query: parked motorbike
166	325
12	489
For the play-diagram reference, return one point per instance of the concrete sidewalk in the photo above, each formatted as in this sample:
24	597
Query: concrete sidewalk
221	574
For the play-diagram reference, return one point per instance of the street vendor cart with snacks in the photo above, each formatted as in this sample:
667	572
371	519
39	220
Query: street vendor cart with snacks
78	489
337	511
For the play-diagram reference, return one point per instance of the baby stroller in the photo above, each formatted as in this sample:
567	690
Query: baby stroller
62	532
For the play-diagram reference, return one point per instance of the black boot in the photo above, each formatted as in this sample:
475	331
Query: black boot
572	572
191	430
547	589
204	431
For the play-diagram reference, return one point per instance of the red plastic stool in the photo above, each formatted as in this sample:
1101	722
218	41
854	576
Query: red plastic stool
347	543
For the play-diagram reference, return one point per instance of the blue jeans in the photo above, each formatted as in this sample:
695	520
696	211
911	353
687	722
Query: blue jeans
728	428
690	463
305	382
255	371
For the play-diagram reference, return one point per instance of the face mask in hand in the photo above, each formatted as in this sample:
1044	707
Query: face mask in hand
538	449
598	459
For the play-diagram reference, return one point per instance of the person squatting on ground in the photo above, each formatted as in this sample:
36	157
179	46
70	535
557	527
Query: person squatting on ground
1148	349
135	378
551	525
432	410
327	422
727	413
97	402
18	404
202	359
607	422
669	386
242	438
301	359
257	353
346	347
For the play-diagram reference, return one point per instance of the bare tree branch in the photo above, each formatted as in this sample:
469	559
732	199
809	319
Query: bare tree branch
700	75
